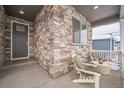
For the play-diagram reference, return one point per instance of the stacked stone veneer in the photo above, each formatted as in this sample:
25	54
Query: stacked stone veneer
43	37
53	46
2	32
50	38
7	36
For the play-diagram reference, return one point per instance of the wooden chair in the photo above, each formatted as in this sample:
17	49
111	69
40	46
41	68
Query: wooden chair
86	76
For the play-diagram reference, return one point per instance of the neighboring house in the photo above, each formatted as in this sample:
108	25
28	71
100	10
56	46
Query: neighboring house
103	43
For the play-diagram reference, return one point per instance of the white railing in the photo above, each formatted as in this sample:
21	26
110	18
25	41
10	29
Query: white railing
112	56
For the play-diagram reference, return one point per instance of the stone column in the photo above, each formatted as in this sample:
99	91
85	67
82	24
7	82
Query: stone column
53	39
122	42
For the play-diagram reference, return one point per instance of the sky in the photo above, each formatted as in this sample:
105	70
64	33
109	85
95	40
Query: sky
104	31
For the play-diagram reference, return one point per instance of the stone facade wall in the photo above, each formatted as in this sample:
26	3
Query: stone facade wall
54	48
43	37
2	32
51	42
8	37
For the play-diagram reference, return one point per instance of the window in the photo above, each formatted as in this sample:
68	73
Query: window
79	32
20	28
84	35
76	30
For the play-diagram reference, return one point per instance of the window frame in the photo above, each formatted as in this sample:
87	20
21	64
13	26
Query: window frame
79	43
84	43
75	31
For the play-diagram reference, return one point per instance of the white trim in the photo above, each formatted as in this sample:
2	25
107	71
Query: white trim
73	31
27	24
111	44
121	35
81	23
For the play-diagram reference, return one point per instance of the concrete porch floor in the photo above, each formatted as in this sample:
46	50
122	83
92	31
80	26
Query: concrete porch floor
30	75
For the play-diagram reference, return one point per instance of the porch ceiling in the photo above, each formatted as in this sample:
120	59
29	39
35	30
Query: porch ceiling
103	14
30	11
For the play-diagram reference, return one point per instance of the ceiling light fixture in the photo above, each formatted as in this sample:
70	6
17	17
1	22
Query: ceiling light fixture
96	7
21	12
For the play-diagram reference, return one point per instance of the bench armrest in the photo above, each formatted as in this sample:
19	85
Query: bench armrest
89	64
89	72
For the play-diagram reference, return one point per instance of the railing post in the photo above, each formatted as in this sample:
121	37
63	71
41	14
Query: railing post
113	56
122	41
97	81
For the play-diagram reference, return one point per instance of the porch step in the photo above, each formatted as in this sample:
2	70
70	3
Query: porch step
17	64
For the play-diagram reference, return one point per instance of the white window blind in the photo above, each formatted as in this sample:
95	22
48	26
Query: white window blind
79	32
84	35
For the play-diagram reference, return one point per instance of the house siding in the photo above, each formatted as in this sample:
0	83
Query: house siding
54	48
103	44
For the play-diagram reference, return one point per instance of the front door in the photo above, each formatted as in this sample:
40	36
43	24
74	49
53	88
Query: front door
19	41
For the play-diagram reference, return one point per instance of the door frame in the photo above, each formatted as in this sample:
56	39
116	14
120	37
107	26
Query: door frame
26	24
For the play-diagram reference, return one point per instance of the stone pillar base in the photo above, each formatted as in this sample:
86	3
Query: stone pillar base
56	70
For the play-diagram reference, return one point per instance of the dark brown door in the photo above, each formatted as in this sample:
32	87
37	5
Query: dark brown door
19	41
